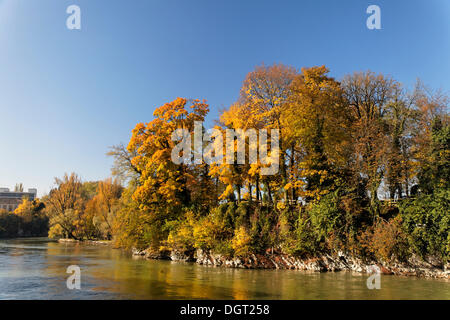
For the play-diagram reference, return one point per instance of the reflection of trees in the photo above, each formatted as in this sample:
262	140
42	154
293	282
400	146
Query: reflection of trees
117	275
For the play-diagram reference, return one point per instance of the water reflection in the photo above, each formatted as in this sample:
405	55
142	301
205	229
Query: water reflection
36	269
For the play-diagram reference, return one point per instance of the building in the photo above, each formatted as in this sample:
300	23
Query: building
9	200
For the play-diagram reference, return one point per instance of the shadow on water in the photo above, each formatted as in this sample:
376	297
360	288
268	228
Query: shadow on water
36	269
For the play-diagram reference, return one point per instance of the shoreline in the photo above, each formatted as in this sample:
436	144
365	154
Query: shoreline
323	263
96	242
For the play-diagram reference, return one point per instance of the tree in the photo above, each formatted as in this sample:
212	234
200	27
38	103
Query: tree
368	95
64	205
401	120
435	171
105	205
164	186
33	221
263	99
123	168
431	140
161	179
318	125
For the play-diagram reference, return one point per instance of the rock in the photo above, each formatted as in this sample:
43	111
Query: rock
384	270
137	252
185	256
151	254
68	241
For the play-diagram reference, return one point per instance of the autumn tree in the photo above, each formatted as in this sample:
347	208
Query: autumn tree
431	144
64	206
33	221
401	121
164	187
104	206
161	179
263	99
368	95
133	227
318	125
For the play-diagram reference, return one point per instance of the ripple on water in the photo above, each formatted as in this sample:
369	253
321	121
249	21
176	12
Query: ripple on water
36	269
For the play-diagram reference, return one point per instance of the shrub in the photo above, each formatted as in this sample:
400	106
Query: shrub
304	240
241	242
211	230
181	232
427	223
261	229
242	213
56	232
389	242
325	216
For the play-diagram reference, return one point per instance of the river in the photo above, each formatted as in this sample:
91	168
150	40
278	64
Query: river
35	268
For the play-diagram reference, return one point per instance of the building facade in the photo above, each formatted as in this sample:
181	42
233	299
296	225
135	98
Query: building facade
10	200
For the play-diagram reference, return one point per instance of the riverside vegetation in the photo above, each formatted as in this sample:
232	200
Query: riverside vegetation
342	145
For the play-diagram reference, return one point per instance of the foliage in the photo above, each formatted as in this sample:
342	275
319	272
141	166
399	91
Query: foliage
342	144
427	224
9	224
33	221
28	220
241	242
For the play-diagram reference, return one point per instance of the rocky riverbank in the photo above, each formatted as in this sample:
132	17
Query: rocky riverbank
323	263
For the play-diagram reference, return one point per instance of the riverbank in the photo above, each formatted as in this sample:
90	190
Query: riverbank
324	263
96	242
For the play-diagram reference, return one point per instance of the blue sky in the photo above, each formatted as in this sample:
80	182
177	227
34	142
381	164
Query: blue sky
66	95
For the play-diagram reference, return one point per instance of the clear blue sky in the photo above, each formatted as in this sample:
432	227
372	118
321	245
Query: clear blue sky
66	95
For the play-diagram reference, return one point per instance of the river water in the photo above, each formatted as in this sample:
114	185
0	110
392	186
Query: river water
35	268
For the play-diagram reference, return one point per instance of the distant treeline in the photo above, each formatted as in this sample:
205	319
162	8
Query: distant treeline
28	220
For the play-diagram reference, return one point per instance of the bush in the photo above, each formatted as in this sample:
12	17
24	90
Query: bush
303	240
56	232
242	214
262	229
241	242
387	241
181	233
211	230
326	216
427	223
